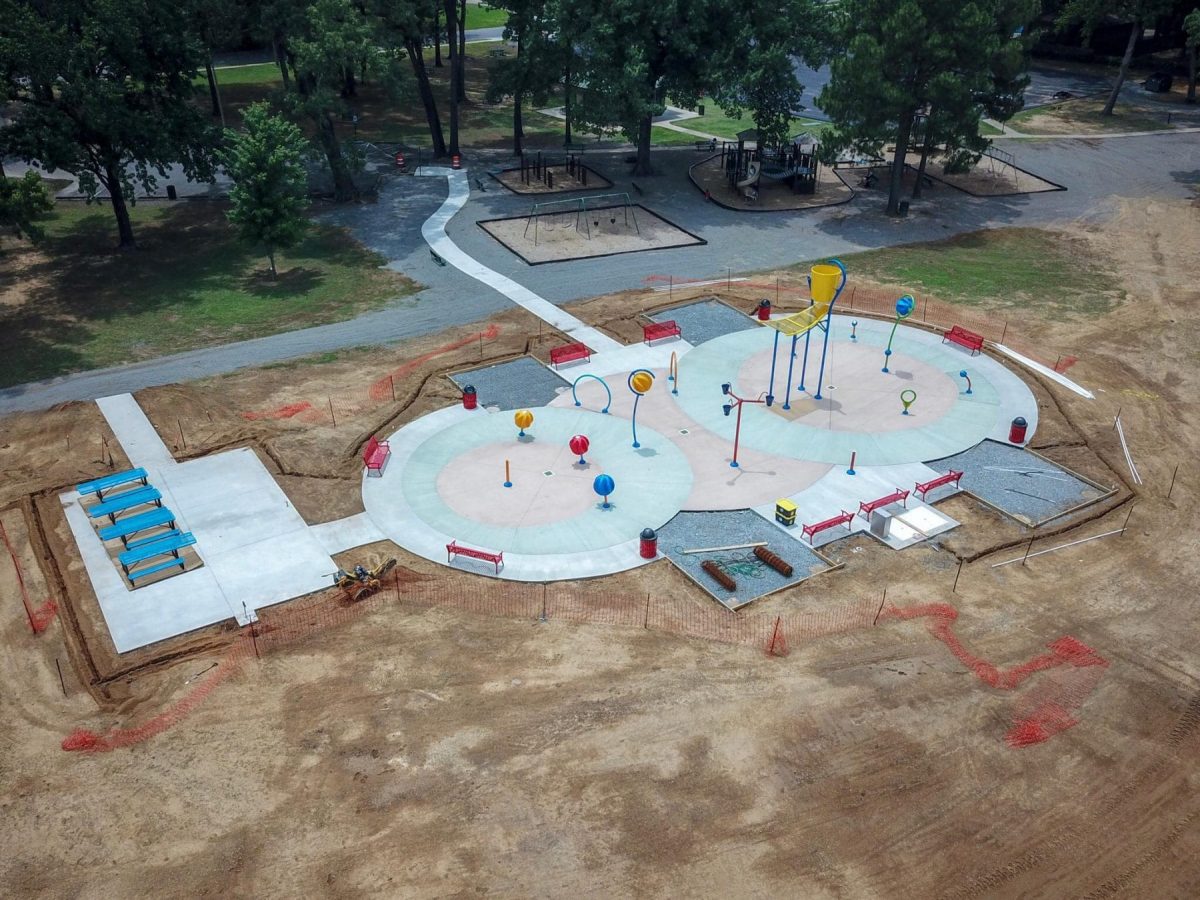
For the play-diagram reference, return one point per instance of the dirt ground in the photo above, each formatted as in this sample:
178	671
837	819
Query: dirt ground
424	750
583	233
559	180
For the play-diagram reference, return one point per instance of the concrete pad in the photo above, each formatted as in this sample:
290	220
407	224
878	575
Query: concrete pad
347	533
138	438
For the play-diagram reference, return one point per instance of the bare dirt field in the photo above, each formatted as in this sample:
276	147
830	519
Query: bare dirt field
611	737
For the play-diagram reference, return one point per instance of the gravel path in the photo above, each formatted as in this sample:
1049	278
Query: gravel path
1094	170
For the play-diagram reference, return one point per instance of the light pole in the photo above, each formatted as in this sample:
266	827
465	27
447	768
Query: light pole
727	390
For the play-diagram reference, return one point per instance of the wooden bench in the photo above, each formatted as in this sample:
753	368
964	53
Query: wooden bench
968	339
114	506
844	519
922	488
99	485
375	454
897	496
568	352
169	545
131	525
658	330
455	549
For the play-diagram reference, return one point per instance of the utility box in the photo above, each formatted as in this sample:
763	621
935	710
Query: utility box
785	512
881	523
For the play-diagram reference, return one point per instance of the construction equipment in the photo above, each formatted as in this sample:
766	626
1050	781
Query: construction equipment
362	582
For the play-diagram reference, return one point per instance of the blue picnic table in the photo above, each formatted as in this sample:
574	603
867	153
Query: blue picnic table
124	502
167	545
98	486
128	526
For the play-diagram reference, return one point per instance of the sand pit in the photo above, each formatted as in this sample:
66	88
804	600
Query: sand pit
990	177
773	196
559	180
584	233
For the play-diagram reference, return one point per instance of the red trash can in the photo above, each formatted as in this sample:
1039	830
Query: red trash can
470	398
764	310
649	547
456	161
400	160
1016	432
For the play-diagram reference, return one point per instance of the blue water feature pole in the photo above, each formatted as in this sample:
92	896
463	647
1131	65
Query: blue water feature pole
828	321
771	385
637	395
787	397
604	485
904	308
575	396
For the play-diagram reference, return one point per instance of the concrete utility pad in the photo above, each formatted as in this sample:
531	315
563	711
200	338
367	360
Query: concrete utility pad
693	530
518	384
1022	484
706	319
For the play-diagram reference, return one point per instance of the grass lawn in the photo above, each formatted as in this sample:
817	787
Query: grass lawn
479	17
1048	273
76	303
714	121
1083	117
988	130
257	73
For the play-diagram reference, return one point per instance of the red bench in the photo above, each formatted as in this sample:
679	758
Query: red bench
925	487
375	454
455	549
844	519
658	330
897	496
968	339
569	352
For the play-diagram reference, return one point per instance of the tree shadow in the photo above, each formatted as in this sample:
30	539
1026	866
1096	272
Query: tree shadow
296	280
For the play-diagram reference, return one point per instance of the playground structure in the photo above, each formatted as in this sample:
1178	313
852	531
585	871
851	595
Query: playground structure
562	218
543	173
826	283
793	163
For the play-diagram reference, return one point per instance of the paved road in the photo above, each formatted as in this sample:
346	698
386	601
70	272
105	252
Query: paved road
1095	170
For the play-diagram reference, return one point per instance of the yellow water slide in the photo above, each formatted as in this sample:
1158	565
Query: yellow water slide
824	284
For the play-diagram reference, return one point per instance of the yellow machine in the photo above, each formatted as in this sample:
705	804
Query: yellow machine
362	582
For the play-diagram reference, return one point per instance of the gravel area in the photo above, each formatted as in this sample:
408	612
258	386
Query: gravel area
1022	484
754	578
706	319
513	385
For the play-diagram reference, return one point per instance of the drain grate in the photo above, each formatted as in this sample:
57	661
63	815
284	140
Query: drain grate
547	473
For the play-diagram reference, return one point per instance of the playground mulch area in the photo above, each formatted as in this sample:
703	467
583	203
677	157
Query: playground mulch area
558	180
607	231
1024	485
990	177
753	577
513	385
773	196
705	320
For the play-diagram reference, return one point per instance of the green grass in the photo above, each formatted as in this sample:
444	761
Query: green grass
1047	273
258	73
478	17
988	130
668	137
76	303
715	121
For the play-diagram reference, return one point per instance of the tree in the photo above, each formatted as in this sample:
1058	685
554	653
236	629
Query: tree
755	69
103	89
633	54
542	56
1090	13
456	71
946	60
270	184
405	25
22	202
1191	25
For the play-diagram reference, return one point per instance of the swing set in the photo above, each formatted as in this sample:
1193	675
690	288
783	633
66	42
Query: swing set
581	214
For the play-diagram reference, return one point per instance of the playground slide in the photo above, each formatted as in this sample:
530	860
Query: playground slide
753	170
805	320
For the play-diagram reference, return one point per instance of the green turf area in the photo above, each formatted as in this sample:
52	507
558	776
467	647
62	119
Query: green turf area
988	130
668	137
481	17
1083	117
1045	272
715	121
77	303
258	73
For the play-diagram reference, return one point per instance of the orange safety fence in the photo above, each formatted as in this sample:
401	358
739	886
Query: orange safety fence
1039	715
41	616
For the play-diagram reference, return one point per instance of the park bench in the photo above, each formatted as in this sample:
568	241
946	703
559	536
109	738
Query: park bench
569	352
498	53
968	339
169	545
810	531
131	525
437	259
99	485
114	506
897	496
637	187
375	454
479	184
705	145
924	487
658	330
455	549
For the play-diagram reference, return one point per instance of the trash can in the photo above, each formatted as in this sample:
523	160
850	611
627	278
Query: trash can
649	547
1016	433
469	397
903	208
764	310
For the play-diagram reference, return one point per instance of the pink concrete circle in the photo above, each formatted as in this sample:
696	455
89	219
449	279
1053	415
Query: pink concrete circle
472	485
863	399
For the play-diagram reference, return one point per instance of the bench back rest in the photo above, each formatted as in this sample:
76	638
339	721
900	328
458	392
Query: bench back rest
371	447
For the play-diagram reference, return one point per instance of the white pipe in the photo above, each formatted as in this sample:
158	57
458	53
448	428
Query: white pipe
731	547
1094	537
